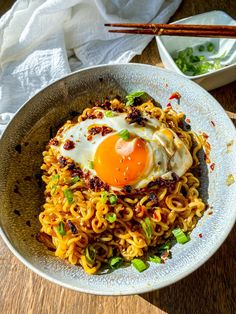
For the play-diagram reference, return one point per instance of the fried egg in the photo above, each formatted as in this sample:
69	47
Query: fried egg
150	152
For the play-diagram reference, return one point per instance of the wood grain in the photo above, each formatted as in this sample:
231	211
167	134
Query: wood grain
210	289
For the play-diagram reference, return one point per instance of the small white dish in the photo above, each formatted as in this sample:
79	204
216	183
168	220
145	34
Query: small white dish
169	46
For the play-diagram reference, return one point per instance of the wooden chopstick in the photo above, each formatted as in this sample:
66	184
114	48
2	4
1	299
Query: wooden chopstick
176	30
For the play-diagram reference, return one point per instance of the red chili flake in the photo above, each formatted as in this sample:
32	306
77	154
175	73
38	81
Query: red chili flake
187	120
212	166
175	95
200	235
89	137
213	123
169	106
95	130
210	213
205	135
53	142
69	145
106	130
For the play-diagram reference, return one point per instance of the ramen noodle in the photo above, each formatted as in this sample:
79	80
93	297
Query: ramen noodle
88	219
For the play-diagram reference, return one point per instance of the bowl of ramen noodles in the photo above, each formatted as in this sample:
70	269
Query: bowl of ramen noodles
116	179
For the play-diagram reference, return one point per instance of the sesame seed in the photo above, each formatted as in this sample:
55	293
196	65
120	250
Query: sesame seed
129	158
139	163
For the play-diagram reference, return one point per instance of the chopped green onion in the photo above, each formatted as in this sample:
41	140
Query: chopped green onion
90	254
217	64
189	51
104	197
109	114
139	264
69	195
180	236
74	180
210	47
230	179
124	134
131	97
54	182
201	48
91	164
194	58
202	58
155	259
111	217
113	199
147	228
115	262
61	229
164	247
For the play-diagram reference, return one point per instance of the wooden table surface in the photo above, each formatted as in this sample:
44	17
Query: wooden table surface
210	289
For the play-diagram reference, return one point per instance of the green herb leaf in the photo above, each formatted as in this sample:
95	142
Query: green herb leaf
147	228
109	114
180	236
201	48
230	179
91	164
131	97
155	259
90	254
139	264
69	195
104	197
74	180
113	199
111	217
115	262
210	47
61	228
124	134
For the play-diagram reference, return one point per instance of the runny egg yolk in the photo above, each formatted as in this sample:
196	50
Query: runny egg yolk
118	162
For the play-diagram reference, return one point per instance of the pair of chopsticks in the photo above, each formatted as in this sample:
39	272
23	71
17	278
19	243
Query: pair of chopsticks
192	30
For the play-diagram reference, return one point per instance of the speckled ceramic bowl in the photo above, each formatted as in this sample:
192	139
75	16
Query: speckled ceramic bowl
21	156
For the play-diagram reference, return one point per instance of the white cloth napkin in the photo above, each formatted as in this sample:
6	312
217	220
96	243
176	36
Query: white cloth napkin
41	41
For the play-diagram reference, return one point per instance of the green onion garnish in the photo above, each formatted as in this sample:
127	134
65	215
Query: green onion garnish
113	199
69	195
54	182
139	264
90	254
111	217
164	247
104	197
201	48
115	262
74	180
61	228
191	64
180	236
155	259
131	97
210	47
109	114
91	164
124	134
147	227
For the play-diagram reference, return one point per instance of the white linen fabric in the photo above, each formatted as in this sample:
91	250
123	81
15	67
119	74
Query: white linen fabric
41	41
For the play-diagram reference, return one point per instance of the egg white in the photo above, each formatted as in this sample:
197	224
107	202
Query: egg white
167	153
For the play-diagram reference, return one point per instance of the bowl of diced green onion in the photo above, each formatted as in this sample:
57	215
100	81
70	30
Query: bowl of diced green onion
210	62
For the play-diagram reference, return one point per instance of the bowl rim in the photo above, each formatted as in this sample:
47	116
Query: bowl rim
160	43
143	289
